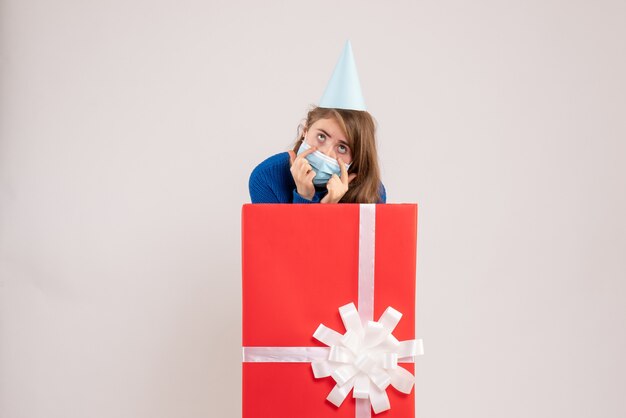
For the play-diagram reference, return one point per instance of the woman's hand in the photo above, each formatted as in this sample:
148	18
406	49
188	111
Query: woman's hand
302	173
336	186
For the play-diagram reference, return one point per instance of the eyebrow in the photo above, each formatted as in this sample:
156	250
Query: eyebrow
328	135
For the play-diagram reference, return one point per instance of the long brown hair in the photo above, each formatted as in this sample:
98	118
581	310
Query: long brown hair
360	130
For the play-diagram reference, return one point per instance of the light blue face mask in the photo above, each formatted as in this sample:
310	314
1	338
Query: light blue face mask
323	165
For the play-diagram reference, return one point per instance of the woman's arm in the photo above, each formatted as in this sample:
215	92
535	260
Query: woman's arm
297	198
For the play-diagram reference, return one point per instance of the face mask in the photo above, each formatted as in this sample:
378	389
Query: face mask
323	165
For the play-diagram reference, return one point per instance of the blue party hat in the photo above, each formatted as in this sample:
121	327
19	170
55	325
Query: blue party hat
344	90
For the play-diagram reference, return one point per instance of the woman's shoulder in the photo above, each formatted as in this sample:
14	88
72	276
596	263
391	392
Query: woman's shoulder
277	160
271	169
382	193
269	181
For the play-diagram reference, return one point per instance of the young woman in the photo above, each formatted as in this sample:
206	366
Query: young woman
334	160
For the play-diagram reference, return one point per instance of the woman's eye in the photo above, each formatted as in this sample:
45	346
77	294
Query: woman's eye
321	137
343	149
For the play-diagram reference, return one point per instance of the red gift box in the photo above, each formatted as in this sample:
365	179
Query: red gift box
300	264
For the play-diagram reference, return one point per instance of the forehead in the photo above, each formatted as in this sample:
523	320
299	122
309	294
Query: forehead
332	127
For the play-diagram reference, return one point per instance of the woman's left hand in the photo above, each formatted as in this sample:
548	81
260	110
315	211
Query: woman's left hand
337	187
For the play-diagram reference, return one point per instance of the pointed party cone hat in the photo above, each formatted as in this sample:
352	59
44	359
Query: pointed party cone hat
344	90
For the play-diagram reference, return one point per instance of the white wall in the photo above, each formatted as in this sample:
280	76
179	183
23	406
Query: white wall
129	128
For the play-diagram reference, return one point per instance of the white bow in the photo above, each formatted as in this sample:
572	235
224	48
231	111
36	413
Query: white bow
365	358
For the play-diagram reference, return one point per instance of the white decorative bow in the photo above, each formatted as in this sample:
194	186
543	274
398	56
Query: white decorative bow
365	358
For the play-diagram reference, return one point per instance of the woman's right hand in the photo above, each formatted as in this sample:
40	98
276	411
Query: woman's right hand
302	173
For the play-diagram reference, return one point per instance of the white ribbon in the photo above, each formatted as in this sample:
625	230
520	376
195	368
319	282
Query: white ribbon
365	359
284	354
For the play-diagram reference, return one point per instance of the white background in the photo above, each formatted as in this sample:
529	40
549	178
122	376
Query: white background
128	132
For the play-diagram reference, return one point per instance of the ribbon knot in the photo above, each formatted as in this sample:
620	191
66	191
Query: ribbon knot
365	359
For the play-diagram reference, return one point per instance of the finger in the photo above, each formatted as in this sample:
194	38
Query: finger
304	166
305	174
299	167
303	162
344	171
292	157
